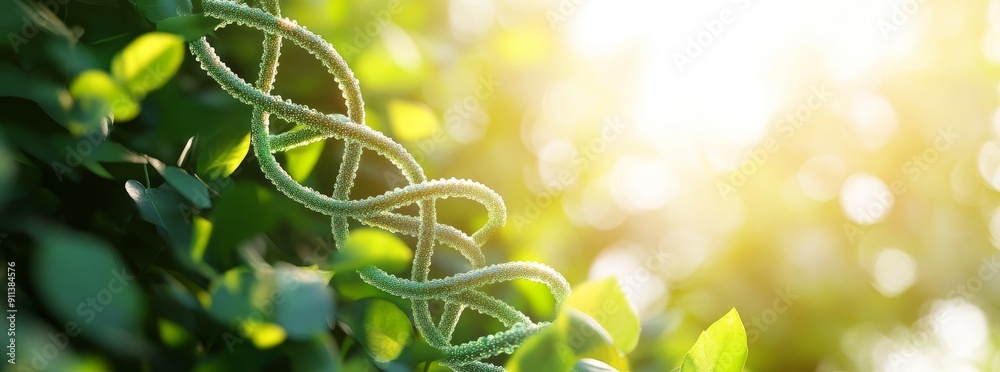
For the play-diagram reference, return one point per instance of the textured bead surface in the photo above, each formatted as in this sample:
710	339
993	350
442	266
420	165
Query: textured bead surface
458	291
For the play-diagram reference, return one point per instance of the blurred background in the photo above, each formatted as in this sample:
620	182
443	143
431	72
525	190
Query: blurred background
828	168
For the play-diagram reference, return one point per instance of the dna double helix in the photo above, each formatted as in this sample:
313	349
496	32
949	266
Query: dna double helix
458	291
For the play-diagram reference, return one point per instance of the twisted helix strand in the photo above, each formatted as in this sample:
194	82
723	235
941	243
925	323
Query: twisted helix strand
458	291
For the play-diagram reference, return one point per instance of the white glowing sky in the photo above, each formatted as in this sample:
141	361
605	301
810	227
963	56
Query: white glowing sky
730	94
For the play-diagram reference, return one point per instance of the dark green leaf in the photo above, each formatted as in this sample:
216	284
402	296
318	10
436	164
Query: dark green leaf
164	208
191	27
54	99
83	281
307	303
317	354
241	210
232	296
191	188
158	10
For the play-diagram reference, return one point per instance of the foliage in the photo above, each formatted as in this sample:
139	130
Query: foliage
198	264
722	347
456	291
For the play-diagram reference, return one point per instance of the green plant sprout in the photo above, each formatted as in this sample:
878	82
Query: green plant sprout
458	291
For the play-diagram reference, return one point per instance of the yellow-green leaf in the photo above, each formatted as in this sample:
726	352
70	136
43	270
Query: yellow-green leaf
412	121
148	62
267	335
720	348
302	160
387	331
171	333
369	247
95	91
604	301
200	234
545	351
220	154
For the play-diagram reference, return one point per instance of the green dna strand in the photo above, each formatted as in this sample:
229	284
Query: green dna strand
458	291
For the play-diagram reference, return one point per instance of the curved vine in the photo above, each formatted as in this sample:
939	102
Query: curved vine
458	291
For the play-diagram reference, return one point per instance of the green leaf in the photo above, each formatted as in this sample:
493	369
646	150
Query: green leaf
113	152
97	169
66	359
84	282
588	340
720	348
604	301
45	18
307	303
191	26
172	334
95	91
369	246
545	351
412	121
52	97
171	288
191	188
583	332
200	235
241	210
148	62
158	10
232	296
164	208
317	354
386	330
110	3
8	170
221	153
302	160
265	335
